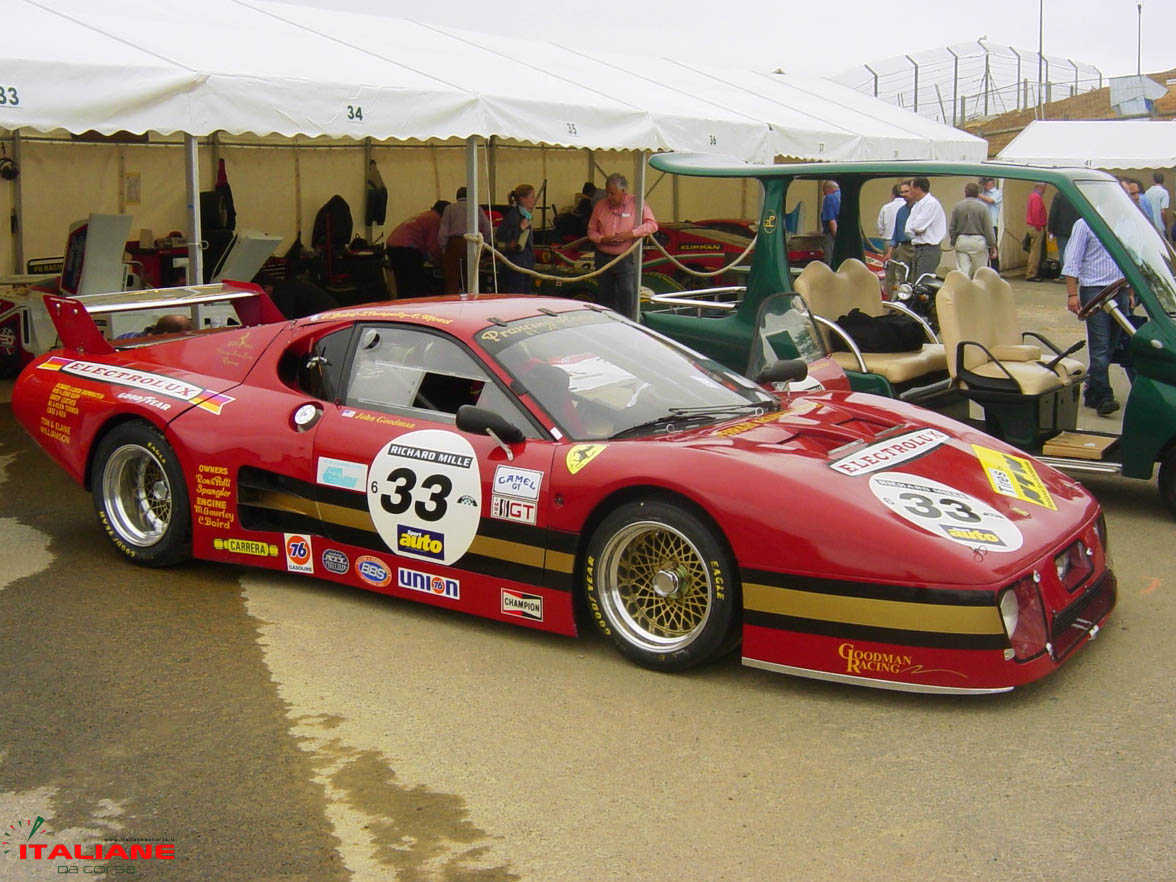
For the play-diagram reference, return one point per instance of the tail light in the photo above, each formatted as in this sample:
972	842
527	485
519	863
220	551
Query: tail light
1024	618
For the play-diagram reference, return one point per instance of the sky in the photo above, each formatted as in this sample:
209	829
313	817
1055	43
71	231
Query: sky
817	37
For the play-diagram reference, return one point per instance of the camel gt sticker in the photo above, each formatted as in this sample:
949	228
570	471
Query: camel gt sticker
946	512
414	486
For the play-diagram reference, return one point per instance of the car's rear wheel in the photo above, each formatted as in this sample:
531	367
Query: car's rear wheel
661	585
140	496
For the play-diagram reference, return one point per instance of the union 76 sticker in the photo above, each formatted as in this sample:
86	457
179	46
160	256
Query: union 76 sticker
424	494
945	511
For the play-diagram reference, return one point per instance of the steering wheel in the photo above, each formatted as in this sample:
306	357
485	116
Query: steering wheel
1101	298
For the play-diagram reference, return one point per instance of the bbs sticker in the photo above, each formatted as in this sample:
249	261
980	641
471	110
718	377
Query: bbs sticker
945	511
414	485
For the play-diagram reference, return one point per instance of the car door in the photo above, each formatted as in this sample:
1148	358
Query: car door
445	516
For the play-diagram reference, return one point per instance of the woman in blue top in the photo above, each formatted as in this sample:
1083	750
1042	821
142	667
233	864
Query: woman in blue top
515	240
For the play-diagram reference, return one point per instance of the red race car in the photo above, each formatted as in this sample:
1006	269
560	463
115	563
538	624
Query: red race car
514	457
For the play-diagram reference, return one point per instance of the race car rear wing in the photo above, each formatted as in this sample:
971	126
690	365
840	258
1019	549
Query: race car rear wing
73	317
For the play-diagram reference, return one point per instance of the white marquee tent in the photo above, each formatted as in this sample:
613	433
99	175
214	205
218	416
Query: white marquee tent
1105	144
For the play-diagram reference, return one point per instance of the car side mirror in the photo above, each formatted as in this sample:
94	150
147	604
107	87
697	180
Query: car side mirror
480	421
786	370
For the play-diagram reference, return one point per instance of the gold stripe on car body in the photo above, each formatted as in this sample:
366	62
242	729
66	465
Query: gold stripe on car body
871	612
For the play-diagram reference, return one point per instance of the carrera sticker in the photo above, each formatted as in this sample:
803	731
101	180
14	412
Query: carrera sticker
438	586
341	473
214	487
944	511
521	605
414	488
246	546
520	483
1014	476
299	553
582	454
335	561
211	401
507	508
890	452
373	571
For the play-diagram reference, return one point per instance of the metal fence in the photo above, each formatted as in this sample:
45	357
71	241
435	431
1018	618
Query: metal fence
971	80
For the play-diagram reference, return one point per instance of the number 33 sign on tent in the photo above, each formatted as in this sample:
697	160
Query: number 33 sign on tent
425	495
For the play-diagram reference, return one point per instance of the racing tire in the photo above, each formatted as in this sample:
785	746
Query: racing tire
140	496
661	585
1167	479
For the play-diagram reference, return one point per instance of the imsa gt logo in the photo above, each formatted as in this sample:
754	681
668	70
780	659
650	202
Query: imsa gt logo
520	605
504	508
438	586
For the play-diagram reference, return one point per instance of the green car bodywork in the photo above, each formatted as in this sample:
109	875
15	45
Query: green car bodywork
1149	423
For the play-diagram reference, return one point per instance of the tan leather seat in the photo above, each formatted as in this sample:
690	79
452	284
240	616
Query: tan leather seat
1008	330
969	313
833	294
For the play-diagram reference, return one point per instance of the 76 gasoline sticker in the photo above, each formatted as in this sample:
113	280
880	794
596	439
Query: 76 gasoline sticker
425	495
945	511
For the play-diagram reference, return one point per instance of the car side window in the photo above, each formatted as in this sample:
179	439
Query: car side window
404	370
320	373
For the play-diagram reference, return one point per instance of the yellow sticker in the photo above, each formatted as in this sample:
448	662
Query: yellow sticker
1014	476
582	454
246	546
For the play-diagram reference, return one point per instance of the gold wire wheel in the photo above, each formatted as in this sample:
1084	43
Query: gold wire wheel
655	586
138	495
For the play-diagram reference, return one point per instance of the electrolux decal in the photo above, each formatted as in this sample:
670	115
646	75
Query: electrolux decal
341	473
145	380
889	452
438	586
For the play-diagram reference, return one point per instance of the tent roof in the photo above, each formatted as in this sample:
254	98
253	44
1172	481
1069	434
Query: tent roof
1117	144
264	67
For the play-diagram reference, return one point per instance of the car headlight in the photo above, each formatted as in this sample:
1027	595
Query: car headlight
1009	612
1024	618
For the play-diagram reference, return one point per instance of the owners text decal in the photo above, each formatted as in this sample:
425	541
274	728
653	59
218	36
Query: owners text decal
149	382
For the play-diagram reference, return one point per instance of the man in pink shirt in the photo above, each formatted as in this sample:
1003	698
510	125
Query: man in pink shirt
1036	218
409	245
613	227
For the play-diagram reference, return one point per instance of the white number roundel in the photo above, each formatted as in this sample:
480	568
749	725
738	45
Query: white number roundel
425	495
945	511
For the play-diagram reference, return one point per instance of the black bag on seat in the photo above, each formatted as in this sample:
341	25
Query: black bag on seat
892	332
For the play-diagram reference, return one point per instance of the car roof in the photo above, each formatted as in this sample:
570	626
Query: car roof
463	315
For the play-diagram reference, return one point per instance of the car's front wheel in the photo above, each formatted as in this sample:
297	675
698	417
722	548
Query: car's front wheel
661	584
140	496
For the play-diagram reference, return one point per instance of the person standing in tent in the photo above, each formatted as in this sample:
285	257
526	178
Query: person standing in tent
452	244
991	196
1036	220
970	232
899	249
613	228
927	227
515	240
830	210
1158	200
409	245
886	218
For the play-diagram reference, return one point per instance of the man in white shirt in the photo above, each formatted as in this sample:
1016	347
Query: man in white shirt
991	196
886	217
1158	197
927	227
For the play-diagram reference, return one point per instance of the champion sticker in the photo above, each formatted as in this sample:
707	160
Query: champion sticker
1014	476
945	511
521	605
890	452
415	486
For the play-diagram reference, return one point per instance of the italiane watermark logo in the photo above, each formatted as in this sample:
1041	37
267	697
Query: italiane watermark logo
20	834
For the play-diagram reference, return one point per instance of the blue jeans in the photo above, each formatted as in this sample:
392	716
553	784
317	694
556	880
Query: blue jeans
1103	335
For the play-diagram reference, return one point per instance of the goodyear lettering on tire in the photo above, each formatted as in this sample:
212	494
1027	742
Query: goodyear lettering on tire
590	590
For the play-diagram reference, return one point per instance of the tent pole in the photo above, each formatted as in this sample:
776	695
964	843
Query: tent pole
367	164
18	204
638	210
192	177
471	212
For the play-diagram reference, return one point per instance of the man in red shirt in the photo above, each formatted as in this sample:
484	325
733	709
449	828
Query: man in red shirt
1036	218
613	227
409	245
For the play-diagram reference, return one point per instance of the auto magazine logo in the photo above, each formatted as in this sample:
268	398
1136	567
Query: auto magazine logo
149	382
335	561
298	553
341	473
373	571
521	605
889	452
438	586
419	541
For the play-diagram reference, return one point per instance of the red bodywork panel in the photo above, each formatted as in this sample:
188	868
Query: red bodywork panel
826	505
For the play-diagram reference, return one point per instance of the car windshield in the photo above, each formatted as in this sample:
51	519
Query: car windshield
598	376
1151	253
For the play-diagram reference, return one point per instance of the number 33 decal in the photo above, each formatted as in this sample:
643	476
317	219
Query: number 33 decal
403	480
